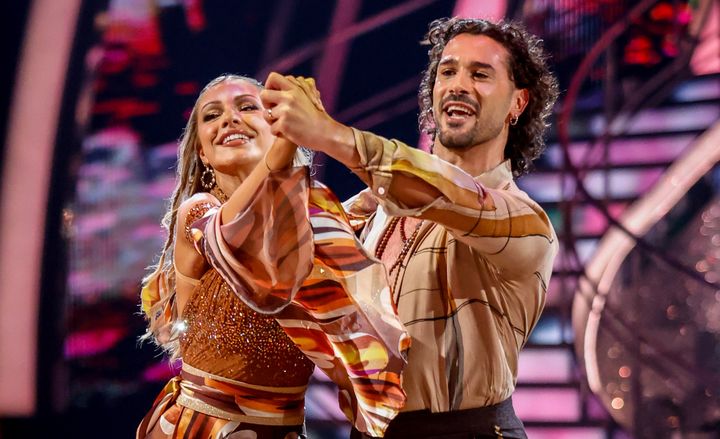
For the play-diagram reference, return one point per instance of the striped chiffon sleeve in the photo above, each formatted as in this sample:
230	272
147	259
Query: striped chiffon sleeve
266	252
344	320
503	223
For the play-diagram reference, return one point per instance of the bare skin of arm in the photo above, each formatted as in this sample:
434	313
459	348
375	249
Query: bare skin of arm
279	156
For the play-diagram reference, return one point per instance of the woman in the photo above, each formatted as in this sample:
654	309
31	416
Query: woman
260	278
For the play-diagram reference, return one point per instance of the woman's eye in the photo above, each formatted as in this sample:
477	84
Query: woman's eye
248	107
209	116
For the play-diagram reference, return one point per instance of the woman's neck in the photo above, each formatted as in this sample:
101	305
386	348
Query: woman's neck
229	183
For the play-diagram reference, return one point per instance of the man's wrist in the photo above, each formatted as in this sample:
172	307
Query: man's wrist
339	143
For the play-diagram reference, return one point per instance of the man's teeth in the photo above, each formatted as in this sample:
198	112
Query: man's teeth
457	110
232	137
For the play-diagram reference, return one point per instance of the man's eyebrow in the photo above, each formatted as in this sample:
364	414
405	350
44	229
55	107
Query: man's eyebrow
481	65
473	64
448	60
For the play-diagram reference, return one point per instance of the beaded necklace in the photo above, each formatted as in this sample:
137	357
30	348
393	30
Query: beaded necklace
386	237
219	194
407	243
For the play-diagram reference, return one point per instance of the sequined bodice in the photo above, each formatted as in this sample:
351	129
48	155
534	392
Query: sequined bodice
226	338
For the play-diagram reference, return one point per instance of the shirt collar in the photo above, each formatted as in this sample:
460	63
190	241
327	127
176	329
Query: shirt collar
497	177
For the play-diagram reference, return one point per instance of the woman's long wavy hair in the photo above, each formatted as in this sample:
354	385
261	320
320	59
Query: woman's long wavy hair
527	65
189	169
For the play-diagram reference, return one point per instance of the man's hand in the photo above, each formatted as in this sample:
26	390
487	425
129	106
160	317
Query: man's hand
296	113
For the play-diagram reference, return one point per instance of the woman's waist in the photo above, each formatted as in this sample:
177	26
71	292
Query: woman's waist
240	401
276	368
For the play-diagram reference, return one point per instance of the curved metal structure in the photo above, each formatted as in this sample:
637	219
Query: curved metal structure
624	318
616	333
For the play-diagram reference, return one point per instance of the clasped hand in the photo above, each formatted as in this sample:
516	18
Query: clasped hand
295	111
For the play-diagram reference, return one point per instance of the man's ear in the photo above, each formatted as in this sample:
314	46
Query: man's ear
520	100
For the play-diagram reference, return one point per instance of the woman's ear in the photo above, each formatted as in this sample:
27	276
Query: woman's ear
201	154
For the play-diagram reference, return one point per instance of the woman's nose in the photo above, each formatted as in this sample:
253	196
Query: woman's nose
231	118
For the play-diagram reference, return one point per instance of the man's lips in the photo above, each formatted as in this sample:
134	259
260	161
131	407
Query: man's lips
458	107
461	110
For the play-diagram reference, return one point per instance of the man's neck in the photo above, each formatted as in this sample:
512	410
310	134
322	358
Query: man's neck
474	160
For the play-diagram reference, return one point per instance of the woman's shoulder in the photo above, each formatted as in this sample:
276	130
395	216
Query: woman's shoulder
200	202
195	208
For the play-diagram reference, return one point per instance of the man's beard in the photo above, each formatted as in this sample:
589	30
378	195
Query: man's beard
480	132
454	139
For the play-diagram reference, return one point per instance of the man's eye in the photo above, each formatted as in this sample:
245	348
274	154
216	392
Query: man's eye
480	75
447	72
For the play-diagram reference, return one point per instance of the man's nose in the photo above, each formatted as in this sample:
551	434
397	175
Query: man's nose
460	83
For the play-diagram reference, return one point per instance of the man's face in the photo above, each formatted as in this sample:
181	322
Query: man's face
473	95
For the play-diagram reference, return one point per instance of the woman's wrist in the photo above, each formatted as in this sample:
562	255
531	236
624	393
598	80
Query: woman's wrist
280	155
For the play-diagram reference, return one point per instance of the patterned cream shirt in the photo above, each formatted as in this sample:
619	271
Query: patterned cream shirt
473	285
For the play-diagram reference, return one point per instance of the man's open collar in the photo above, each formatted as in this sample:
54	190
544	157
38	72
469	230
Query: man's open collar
496	177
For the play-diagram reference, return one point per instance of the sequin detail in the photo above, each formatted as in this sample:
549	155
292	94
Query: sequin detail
226	338
196	212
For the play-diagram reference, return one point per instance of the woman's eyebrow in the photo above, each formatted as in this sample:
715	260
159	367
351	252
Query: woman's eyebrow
209	103
245	96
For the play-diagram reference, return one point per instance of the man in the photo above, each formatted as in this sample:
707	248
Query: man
469	255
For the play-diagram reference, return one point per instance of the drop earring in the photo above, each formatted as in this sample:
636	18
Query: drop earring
207	179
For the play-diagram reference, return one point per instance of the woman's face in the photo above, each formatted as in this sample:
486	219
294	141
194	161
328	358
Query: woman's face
231	130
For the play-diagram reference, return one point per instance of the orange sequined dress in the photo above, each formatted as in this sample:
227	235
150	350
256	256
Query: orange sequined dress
225	337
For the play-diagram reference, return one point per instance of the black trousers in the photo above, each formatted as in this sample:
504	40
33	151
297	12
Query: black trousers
496	421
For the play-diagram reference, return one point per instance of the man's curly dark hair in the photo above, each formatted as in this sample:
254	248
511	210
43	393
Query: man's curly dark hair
527	65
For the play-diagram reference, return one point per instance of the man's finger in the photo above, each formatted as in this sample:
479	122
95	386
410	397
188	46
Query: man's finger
300	82
276	81
270	98
308	86
304	87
